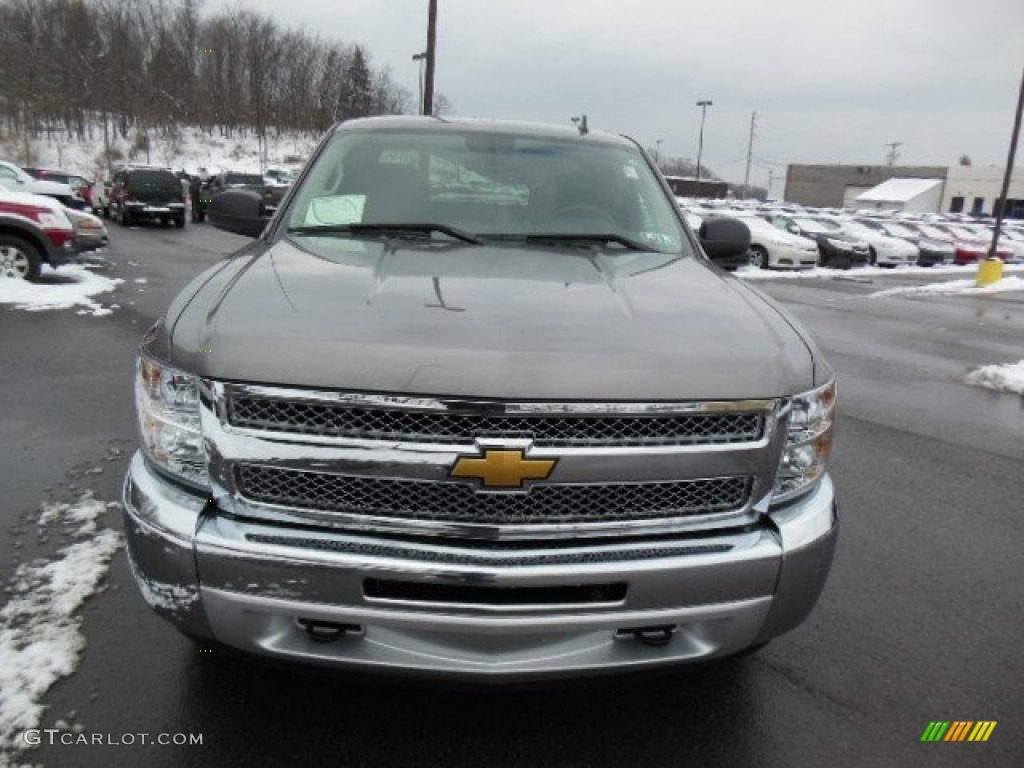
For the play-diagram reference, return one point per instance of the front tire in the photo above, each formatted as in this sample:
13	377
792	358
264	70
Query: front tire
19	259
758	257
179	221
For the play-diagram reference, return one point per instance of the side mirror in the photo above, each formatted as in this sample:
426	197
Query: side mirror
238	210
724	238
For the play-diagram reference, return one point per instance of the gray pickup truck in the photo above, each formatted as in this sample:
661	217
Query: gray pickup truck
476	402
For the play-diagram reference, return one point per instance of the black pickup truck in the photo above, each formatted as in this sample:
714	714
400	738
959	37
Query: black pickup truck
203	193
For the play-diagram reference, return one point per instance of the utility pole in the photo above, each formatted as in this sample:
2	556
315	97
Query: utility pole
893	155
428	87
750	152
1001	202
704	104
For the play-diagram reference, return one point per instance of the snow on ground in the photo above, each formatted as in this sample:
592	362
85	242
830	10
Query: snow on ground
36	297
754	273
1002	378
954	287
194	151
41	638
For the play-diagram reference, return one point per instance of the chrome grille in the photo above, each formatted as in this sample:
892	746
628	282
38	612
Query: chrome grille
460	428
461	503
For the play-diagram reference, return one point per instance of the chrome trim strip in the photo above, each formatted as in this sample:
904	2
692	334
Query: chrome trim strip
495	407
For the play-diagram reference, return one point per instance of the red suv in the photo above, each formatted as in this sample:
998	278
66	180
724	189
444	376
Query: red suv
33	230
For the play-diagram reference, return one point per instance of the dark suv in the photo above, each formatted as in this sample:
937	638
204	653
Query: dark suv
147	193
215	185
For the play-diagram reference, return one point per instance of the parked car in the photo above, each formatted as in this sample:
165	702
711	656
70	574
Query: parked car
984	232
278	177
771	247
968	248
34	230
90	234
14	178
1014	240
836	248
930	251
80	186
476	404
215	185
147	193
884	250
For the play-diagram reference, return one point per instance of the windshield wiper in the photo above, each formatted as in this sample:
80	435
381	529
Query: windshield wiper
387	229
588	238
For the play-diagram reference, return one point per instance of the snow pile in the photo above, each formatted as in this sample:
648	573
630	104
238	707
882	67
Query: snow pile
955	287
1002	378
40	637
58	295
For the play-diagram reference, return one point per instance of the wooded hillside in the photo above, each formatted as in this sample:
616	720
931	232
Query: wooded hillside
148	66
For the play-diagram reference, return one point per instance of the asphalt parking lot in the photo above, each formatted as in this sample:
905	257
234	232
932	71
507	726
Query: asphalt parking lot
919	621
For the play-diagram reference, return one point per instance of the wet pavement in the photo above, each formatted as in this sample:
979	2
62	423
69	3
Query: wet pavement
919	622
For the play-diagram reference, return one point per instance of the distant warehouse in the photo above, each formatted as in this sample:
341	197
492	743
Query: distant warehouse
918	188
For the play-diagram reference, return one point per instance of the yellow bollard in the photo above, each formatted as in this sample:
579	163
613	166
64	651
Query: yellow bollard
989	271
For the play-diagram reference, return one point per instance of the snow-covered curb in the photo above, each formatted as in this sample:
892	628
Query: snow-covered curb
40	635
1002	378
954	287
36	297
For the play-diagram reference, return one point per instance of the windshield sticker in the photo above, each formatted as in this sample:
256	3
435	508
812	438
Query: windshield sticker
661	240
336	209
630	172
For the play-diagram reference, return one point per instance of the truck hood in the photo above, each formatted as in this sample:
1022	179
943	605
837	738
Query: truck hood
504	322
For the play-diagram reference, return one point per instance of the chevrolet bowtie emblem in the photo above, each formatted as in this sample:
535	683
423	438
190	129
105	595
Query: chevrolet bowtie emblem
503	469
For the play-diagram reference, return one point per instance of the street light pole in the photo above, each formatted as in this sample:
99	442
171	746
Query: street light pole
700	142
428	89
420	57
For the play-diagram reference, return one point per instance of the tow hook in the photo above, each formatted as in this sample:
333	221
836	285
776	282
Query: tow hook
655	637
327	631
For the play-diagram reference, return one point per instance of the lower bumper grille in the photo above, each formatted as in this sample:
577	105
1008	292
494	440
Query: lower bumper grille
461	503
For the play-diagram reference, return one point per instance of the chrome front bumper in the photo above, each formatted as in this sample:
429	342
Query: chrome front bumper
248	585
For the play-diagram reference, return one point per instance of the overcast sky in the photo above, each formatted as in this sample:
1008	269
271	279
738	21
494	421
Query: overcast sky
830	81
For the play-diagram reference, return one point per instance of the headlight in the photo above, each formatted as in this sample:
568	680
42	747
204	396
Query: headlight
53	220
808	442
168	404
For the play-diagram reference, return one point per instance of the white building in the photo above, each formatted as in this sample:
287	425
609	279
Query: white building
911	195
974	189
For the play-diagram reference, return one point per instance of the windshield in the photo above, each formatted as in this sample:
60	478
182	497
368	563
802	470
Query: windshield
930	231
812	225
856	228
488	185
153	180
898	230
828	225
244	178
